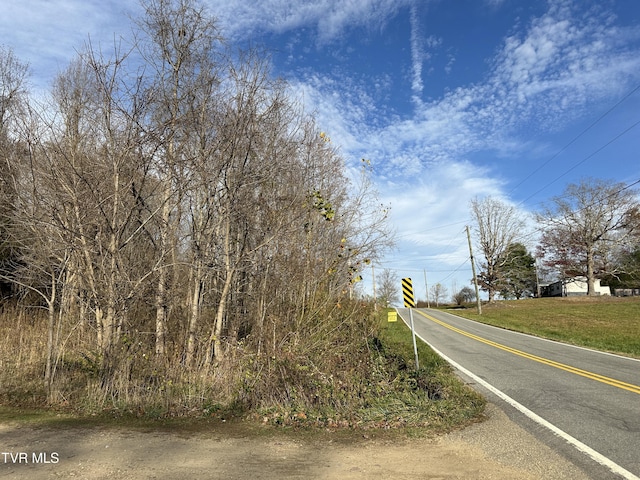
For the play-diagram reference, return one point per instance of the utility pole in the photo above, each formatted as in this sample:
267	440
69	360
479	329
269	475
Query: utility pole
473	269
426	286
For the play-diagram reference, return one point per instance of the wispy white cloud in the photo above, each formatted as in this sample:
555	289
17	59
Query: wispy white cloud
495	3
557	68
421	51
433	210
48	34
417	56
329	18
563	62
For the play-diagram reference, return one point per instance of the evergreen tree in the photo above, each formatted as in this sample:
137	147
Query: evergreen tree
518	277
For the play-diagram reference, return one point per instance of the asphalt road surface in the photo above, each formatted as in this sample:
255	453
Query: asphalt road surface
583	403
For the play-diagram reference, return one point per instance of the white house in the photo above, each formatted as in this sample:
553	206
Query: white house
573	287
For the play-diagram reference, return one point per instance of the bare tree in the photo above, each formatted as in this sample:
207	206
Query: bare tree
13	89
389	287
77	221
13	96
465	295
438	293
497	226
586	226
30	254
179	48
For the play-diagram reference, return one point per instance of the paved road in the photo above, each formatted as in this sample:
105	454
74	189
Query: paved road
583	403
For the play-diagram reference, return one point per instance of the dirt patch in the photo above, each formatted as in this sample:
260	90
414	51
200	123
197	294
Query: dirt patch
117	453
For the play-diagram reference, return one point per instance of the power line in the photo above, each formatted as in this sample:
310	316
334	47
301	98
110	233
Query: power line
575	139
624	132
454	271
539	230
431	229
581	162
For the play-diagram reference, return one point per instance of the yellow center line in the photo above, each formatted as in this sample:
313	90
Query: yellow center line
583	373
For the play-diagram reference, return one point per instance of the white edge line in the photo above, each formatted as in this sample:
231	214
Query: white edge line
590	452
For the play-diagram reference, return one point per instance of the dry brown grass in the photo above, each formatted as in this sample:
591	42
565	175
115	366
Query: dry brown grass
354	371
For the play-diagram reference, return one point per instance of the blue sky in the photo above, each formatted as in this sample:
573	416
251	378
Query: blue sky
449	99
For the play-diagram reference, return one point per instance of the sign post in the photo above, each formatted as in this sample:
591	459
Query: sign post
410	303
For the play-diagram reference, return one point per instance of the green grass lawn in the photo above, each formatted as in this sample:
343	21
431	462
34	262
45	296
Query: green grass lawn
604	323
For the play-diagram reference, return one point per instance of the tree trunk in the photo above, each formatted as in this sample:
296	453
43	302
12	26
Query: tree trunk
195	311
161	288
262	308
161	312
48	377
215	338
490	288
591	290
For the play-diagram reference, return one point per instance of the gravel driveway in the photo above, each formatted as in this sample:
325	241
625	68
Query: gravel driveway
495	449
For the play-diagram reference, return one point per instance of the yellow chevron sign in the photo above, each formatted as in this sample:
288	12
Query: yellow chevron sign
407	293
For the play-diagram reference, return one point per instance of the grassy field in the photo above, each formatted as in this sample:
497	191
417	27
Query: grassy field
609	324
